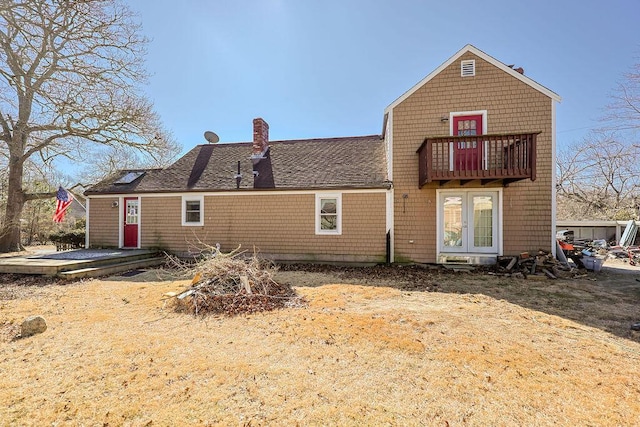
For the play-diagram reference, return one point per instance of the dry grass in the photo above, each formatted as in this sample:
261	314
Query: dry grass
357	355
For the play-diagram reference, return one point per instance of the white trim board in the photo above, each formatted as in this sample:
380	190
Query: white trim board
500	220
482	113
241	193
183	209
318	209
482	55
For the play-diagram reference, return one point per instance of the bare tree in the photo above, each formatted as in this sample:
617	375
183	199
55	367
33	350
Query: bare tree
114	159
71	73
599	179
623	113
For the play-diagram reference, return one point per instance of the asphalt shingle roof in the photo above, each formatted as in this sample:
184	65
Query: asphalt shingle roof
324	163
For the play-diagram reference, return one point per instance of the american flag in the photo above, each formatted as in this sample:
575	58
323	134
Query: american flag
64	199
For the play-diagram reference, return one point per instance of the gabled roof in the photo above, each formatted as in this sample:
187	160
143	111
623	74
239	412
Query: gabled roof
484	56
325	163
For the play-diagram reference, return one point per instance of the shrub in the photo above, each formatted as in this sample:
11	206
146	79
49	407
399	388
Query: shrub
68	239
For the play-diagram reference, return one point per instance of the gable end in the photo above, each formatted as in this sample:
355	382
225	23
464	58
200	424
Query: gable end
477	52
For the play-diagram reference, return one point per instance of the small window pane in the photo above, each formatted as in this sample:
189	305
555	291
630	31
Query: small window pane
328	206
132	212
192	211
328	214
328	222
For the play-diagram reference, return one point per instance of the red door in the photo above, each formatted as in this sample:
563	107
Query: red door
131	222
467	154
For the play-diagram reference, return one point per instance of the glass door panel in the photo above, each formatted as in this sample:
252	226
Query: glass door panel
469	222
454	238
482	221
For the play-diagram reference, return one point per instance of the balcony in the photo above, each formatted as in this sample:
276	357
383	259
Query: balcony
504	158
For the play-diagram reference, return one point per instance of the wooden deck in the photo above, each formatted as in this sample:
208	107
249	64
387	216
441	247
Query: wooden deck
80	262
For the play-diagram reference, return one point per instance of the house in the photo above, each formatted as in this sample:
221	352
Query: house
462	172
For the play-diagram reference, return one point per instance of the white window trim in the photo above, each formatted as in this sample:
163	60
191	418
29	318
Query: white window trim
192	198
338	197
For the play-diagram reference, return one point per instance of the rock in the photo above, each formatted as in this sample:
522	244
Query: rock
32	325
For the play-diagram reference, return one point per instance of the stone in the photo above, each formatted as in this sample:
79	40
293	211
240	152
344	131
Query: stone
32	325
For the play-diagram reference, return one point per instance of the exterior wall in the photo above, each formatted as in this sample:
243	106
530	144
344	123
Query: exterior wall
280	226
512	106
103	223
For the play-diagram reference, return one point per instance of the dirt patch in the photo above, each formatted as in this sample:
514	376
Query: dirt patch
607	300
398	346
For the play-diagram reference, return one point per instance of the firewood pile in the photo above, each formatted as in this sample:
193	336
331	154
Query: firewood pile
231	284
526	266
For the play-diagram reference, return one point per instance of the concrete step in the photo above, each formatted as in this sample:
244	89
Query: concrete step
105	270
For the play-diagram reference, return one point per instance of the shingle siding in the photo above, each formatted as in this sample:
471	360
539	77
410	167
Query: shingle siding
103	225
278	226
512	106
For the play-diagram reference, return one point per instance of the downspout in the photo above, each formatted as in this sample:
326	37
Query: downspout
86	223
553	178
390	239
388	136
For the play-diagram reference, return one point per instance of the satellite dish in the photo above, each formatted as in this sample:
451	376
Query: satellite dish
211	137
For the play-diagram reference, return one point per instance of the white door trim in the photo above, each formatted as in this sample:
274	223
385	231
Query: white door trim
440	220
121	208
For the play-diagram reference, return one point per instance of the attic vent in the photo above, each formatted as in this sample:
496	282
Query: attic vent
468	68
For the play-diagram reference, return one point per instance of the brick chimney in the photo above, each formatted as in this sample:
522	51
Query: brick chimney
260	138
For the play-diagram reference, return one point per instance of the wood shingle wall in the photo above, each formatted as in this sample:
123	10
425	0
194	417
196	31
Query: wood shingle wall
103	224
512	106
279	226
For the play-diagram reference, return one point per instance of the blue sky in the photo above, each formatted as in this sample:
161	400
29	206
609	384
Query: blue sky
329	68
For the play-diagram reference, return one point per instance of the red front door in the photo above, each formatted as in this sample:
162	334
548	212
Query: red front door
131	222
467	154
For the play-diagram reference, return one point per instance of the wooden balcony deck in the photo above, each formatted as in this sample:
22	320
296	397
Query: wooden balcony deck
489	158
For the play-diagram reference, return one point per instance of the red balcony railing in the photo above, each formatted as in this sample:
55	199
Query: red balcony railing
497	157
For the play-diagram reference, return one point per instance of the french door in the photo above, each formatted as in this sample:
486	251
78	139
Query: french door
468	222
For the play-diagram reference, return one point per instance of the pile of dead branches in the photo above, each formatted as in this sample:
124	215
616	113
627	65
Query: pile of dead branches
230	284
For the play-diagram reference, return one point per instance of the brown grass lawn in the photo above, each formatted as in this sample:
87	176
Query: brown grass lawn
400	348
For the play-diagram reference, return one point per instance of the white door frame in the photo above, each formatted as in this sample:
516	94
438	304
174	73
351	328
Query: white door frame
441	249
121	201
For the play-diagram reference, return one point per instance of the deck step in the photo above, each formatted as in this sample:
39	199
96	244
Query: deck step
105	270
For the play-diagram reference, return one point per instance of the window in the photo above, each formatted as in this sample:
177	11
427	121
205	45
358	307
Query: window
328	214
129	178
192	210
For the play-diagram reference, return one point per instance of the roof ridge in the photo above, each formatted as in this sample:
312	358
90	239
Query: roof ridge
333	138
